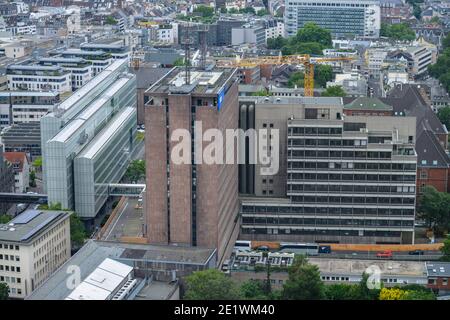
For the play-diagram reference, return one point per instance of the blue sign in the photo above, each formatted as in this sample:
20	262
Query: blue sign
220	97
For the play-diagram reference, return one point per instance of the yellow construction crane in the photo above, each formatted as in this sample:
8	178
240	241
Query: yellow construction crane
306	60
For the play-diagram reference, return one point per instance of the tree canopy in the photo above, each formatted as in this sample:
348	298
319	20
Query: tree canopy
210	284
398	31
444	115
334	91
77	231
4	291
136	170
441	69
322	74
304	282
446	250
434	209
311	39
4	218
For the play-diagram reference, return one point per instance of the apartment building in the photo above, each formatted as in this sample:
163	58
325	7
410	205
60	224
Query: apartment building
91	118
248	34
38	78
274	29
81	70
348	179
117	49
342	18
191	204
25	106
21	166
100	60
32	246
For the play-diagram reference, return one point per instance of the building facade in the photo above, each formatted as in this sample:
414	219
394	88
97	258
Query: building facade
194	204
84	116
345	17
341	179
32	246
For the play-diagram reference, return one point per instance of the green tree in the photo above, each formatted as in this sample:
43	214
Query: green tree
419	295
77	231
4	291
434	209
37	163
135	170
33	179
304	281
247	10
276	43
311	32
262	13
334	91
363	291
210	284
435	20
140	136
296	79
341	291
398	31
233	11
446	250
204	11
444	115
253	289
4	218
110	20
322	74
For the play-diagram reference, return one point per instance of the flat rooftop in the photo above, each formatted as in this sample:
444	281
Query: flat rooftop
208	82
93	253
353	266
317	101
30	223
438	269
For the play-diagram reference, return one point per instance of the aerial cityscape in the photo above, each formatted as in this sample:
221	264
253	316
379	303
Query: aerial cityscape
224	150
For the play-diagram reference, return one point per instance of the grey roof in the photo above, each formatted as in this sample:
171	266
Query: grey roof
94	252
407	99
438	269
26	226
430	150
34	67
145	76
368	103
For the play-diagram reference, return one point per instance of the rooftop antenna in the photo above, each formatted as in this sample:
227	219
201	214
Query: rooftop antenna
187	42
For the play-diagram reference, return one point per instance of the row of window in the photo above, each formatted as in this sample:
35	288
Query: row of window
246	209
350	177
319	232
299	164
9	257
338	154
350	188
329	142
354	200
9	268
10	247
328	222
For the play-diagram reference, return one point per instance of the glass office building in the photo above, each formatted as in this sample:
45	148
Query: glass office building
104	161
345	17
69	133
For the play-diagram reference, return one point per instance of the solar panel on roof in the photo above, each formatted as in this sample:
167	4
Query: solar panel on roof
26	217
39	227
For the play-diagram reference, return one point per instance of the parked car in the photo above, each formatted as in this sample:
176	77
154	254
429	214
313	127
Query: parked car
325	249
417	252
384	254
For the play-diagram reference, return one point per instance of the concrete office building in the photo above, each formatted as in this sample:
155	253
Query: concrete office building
25	106
341	178
342	18
81	69
23	137
100	60
38	78
32	246
191	204
248	34
76	127
117	50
